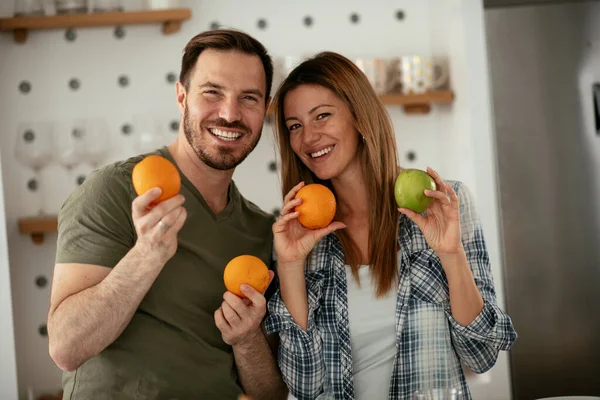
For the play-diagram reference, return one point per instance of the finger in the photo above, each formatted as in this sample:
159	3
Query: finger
321	233
161	210
437	178
140	204
441	196
179	221
220	320
169	225
292	193
271	277
290	206
230	314
281	224
235	302
417	218
452	194
257	299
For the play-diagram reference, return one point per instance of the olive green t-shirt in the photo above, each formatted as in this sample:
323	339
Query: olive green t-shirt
172	348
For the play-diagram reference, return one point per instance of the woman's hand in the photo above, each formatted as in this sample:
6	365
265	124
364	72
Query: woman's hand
441	226
292	241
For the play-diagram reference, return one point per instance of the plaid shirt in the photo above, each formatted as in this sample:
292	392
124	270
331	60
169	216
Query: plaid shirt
430	344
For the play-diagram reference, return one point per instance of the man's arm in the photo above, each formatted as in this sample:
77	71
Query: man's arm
258	371
240	324
91	305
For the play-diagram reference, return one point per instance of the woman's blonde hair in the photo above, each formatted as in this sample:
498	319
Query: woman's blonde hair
378	157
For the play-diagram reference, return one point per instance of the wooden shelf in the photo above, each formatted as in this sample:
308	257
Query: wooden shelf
170	19
38	226
418	103
412	103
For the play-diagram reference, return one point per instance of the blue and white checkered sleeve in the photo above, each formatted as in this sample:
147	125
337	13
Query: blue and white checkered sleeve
300	355
478	343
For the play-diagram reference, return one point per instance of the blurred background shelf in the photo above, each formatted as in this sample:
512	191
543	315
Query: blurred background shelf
170	19
38	226
418	103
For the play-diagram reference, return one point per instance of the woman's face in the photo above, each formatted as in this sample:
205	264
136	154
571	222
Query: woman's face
321	130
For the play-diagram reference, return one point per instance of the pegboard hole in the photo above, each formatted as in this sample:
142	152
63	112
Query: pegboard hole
70	35
262	24
123	81
119	32
400	15
273	166
80	180
126	129
74	84
214	25
276	212
308	21
32	185
171	77
43	330
174	126
411	156
354	18
25	87
41	281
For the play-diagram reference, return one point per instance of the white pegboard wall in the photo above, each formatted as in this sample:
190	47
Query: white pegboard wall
97	59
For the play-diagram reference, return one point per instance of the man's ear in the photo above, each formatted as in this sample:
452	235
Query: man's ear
181	96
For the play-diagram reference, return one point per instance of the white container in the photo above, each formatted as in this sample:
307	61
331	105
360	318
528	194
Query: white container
162	4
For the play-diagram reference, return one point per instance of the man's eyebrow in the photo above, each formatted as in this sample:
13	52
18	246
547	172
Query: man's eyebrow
212	85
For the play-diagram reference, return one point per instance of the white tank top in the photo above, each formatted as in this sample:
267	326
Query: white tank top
372	336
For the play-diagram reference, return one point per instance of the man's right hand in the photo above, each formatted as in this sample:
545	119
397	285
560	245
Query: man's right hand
157	225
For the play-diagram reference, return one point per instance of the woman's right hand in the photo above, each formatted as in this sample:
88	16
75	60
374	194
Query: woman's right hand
292	241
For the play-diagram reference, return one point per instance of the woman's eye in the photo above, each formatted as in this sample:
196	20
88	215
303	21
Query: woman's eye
293	127
323	115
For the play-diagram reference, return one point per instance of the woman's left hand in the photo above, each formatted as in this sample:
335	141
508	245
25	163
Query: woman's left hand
441	226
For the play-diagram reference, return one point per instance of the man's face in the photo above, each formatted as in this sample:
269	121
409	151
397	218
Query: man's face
225	107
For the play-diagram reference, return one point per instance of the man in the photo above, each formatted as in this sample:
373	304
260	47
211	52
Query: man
138	309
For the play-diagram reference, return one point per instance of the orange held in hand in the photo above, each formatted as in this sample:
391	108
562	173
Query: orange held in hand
318	206
246	269
156	171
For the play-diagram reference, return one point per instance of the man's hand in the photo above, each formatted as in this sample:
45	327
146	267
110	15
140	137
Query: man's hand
239	319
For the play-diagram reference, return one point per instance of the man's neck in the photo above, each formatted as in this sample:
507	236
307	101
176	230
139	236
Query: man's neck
212	184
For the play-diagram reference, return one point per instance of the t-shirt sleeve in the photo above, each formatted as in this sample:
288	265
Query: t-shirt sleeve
94	223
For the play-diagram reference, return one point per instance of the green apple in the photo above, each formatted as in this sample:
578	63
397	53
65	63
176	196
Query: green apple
409	189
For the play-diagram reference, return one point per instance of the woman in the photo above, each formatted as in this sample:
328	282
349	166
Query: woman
390	303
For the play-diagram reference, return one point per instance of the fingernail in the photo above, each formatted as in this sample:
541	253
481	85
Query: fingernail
156	191
244	288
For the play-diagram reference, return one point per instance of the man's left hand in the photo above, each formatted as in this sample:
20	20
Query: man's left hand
239	319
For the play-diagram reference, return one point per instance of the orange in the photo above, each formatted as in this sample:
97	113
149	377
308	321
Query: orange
246	269
156	171
318	206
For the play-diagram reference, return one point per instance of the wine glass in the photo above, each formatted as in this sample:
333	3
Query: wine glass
69	144
96	140
33	149
149	135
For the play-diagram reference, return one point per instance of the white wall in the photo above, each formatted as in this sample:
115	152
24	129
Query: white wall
454	139
8	369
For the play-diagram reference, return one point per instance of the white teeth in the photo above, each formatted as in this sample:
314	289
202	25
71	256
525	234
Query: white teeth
321	152
229	136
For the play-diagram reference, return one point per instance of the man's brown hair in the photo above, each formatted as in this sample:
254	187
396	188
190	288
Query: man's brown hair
224	39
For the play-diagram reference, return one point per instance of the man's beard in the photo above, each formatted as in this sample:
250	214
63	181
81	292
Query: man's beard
221	158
